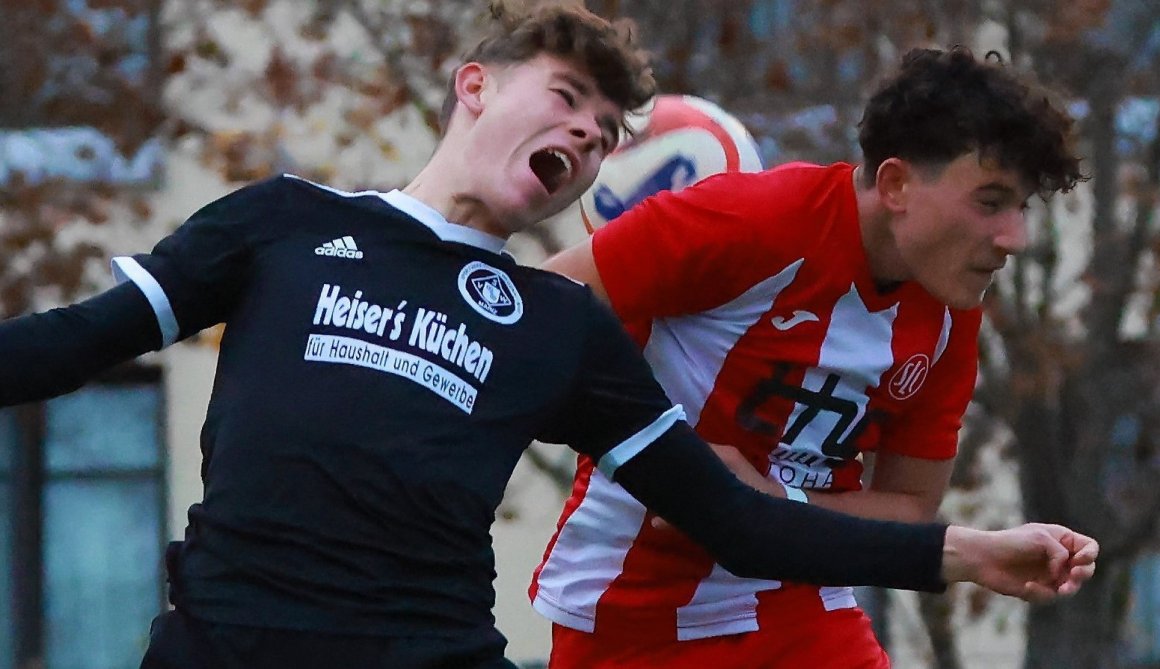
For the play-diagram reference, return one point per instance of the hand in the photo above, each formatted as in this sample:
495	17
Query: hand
1035	562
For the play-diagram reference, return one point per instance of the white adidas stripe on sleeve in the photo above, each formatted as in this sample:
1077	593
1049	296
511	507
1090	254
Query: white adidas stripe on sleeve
125	269
629	448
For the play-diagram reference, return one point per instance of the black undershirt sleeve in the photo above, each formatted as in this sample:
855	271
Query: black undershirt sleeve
754	535
610	416
55	352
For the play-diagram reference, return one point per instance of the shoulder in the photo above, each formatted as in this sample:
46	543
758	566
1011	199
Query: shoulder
260	199
547	284
574	303
787	176
807	183
757	196
292	183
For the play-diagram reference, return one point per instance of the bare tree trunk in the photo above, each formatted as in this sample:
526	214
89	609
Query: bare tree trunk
1084	632
937	613
1111	262
875	602
1064	427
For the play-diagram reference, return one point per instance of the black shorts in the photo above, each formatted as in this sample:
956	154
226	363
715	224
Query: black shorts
178	641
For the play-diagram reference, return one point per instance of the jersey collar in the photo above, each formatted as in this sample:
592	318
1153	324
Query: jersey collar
445	230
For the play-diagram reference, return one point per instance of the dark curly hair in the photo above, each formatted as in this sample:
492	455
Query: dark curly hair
607	50
941	105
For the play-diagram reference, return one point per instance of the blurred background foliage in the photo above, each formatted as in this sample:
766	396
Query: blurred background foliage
101	97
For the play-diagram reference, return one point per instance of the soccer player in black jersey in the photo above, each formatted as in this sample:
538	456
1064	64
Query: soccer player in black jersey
384	365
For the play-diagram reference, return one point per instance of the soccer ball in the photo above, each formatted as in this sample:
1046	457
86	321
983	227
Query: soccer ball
683	140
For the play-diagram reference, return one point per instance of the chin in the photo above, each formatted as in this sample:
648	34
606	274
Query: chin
963	290
964	300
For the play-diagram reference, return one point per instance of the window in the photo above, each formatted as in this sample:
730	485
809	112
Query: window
1143	624
82	491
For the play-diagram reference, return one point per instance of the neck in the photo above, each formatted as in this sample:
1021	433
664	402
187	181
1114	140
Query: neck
438	185
874	222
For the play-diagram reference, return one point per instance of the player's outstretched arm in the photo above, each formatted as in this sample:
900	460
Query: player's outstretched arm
55	352
1036	562
905	489
755	535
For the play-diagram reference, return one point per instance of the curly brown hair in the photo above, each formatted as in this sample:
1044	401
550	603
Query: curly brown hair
607	50
940	105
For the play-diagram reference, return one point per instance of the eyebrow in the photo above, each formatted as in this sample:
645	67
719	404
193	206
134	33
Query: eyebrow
998	188
573	81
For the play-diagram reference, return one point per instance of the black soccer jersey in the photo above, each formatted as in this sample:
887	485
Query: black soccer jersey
378	379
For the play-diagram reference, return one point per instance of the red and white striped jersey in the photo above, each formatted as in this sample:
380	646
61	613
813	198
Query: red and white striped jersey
760	316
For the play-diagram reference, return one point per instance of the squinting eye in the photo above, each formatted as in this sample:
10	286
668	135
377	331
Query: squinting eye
568	97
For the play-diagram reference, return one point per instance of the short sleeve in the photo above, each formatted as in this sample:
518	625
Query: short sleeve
615	408
929	428
689	251
193	277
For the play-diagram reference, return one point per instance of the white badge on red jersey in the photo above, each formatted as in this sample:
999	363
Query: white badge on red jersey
491	292
909	377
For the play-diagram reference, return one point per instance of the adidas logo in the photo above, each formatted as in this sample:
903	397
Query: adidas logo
343	247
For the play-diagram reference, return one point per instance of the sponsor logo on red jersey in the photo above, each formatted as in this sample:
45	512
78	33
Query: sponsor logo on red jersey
909	377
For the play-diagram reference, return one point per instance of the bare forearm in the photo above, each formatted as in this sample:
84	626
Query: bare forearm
907	490
903	488
876	504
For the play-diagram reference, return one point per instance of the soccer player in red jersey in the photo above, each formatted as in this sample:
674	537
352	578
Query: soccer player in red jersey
804	315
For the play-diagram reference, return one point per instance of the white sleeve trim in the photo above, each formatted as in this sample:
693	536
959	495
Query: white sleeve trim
629	448
128	269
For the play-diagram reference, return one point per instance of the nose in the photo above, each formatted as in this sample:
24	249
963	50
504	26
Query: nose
1011	237
585	128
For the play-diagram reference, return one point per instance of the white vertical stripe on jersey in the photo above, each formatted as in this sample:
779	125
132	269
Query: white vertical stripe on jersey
837	597
723	604
859	343
686	355
588	555
944	337
688	352
125	269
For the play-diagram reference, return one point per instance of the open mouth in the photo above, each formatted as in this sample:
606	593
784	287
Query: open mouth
552	167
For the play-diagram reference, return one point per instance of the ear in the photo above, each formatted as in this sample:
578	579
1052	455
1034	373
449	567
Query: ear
891	182
470	82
